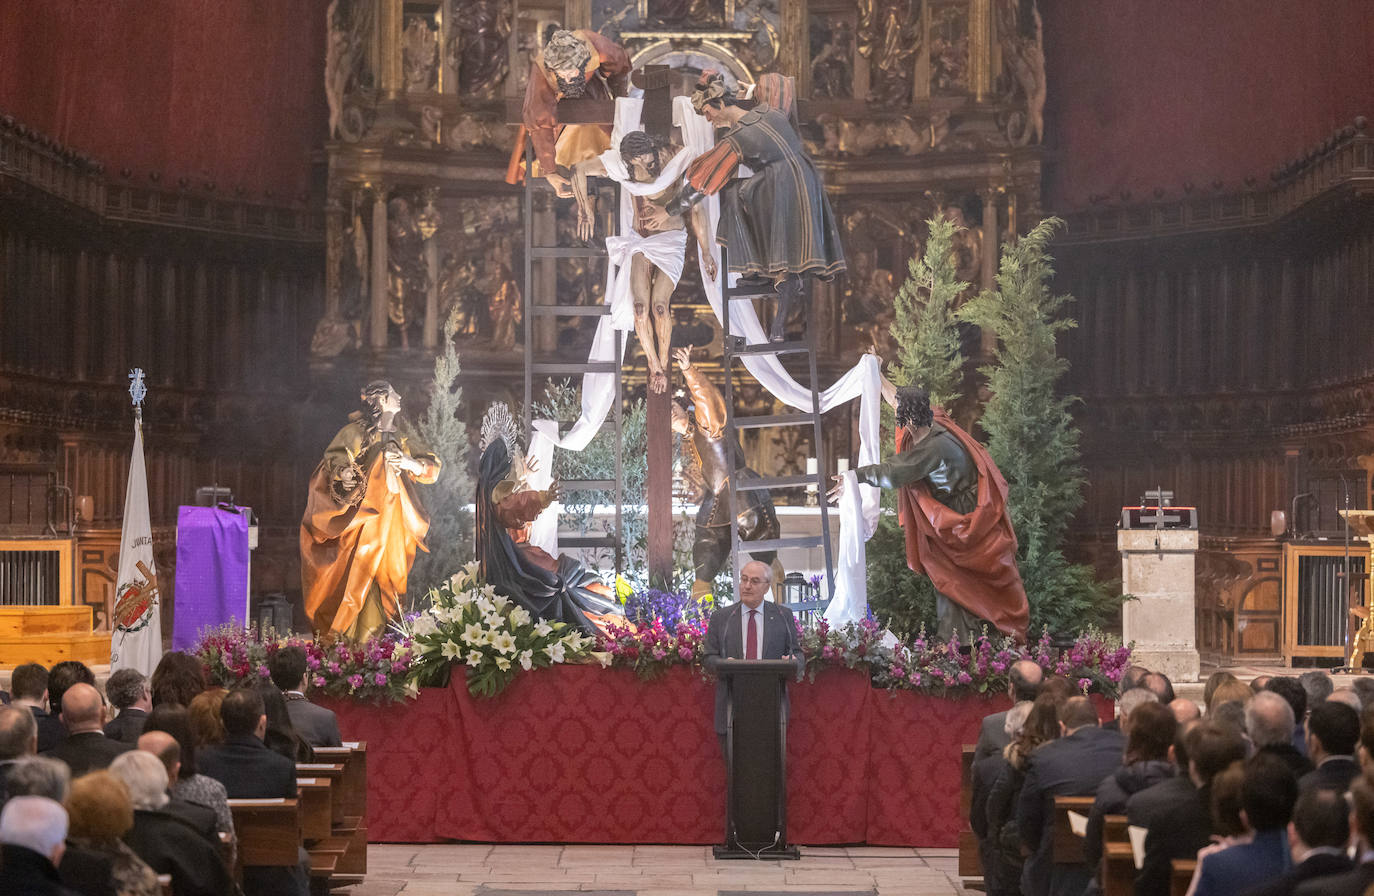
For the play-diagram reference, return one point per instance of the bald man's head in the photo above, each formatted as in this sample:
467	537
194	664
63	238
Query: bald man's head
1184	710
82	709
165	748
1024	680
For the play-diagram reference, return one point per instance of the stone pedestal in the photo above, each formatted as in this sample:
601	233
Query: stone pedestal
1157	567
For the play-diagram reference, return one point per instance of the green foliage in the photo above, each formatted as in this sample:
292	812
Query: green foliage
928	352
1031	435
442	428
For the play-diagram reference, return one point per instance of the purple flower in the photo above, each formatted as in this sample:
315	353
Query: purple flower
355	681
263	671
319	681
379	679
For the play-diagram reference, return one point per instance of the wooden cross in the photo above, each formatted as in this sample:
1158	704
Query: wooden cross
657	120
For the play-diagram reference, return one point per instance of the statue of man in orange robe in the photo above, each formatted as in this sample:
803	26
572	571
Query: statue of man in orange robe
363	518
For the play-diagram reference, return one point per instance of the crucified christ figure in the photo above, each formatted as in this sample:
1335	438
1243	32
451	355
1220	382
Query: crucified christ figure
658	245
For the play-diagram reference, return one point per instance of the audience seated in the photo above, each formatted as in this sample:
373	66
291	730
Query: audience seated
1214	681
199	818
1184	710
319	728
281	735
1231	714
33	831
1318	686
18	738
189	784
101	813
86	747
1233	691
1003	876
1259	682
178	678
1126	704
1349	696
1317	838
1151	729
62	676
1179	819
167	844
39	776
129	693
1268	792
1292	690
1356	881
1161	685
1364	686
1132	677
207	728
249	770
1073	765
29	688
984	774
1269	723
1333	732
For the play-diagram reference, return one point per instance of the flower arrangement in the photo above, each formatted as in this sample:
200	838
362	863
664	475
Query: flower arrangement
661	629
851	645
469	623
1095	662
375	670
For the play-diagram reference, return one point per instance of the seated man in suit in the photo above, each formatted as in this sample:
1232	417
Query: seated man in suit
129	693
1269	723
753	628
168	752
249	770
1073	765
51	730
86	747
1333	732
1356	881
1023	683
314	723
1317	837
1268	791
29	688
166	843
1181	824
18	738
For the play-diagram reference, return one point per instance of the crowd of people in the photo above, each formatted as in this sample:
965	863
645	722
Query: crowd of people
102	793
1269	786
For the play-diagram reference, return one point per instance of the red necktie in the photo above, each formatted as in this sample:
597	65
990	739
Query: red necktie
751	637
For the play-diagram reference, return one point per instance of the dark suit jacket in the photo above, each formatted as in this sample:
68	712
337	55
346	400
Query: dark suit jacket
202	819
1335	774
25	871
169	846
1071	766
1351	883
248	770
87	751
725	640
51	731
1245	864
127	726
1297	763
1176	831
86	871
315	724
992	736
1319	865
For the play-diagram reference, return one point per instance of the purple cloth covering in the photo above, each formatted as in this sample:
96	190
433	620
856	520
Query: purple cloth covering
212	571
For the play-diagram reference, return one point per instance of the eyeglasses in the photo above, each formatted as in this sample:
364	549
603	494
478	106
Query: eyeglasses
750	580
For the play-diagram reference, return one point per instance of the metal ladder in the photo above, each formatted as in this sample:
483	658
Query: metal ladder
735	347
533	368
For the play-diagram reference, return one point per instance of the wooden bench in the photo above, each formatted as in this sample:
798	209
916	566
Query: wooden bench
970	861
1182	876
1067	847
268	833
315	795
353	799
1118	861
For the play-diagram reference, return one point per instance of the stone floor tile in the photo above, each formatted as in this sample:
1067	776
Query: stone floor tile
880	851
938	853
897	861
434	888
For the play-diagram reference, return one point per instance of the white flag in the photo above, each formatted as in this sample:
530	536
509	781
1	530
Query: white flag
136	641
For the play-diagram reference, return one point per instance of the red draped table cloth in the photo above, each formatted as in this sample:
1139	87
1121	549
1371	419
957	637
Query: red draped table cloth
581	754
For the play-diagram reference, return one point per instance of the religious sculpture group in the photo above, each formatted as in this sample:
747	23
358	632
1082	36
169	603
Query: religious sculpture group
364	520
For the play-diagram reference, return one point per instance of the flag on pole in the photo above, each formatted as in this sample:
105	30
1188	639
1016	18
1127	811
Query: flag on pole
136	641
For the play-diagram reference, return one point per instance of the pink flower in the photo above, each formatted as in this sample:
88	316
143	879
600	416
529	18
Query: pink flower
355	681
685	653
319	681
379	679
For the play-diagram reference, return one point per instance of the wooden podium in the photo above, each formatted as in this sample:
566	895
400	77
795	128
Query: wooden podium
1361	522
756	759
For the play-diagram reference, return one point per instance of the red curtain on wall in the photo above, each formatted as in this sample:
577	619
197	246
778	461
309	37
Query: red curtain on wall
223	91
1146	95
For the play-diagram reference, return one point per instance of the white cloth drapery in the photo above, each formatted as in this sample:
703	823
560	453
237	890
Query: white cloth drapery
858	510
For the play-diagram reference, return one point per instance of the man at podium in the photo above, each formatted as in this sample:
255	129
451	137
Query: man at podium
752	629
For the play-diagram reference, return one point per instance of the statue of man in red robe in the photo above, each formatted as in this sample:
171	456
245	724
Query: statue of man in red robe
952	506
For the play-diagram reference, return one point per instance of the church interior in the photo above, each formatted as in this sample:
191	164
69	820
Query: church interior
265	205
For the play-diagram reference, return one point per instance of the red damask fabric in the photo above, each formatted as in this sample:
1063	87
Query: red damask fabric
579	754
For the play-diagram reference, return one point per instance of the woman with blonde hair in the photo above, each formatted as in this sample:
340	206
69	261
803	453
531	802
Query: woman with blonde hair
101	813
207	728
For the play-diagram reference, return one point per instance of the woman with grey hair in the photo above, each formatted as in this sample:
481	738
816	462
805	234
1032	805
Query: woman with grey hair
39	776
164	842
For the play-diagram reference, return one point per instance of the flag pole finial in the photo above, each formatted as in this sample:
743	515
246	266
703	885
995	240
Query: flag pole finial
137	391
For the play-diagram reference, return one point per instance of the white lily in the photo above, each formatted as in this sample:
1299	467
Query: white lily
452	651
504	642
526	660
